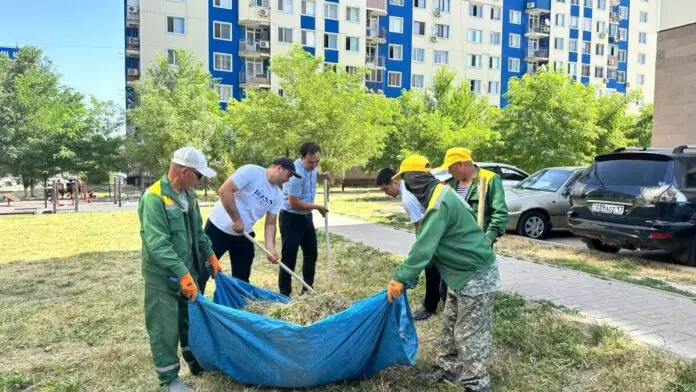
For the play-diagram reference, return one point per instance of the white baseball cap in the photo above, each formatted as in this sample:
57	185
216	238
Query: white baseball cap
194	159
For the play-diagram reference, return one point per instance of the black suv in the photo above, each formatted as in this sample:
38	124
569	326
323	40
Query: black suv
637	198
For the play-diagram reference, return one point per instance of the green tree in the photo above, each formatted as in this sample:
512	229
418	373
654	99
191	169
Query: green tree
549	120
331	107
176	107
640	133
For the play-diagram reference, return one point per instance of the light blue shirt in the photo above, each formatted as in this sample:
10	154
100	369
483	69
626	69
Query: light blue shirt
303	188
413	208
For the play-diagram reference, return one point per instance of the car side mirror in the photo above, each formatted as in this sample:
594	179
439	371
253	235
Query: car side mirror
565	192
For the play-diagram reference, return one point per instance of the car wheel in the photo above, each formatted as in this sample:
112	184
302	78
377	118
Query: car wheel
534	225
595	244
688	256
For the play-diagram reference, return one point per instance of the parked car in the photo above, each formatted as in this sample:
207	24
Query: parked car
510	175
540	202
638	198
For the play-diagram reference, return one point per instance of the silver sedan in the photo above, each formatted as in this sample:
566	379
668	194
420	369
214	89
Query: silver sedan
540	202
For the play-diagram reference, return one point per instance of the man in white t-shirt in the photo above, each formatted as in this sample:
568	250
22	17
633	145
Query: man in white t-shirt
395	188
249	194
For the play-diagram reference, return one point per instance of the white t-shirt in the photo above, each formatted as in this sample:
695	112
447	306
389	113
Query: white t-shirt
255	197
413	208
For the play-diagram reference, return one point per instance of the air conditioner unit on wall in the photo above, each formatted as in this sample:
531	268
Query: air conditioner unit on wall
437	13
133	9
133	72
263	12
264	44
433	38
602	35
133	40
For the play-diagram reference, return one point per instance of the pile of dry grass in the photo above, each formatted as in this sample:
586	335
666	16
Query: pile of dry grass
303	310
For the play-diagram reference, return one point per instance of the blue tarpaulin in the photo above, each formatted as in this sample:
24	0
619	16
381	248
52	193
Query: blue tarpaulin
253	349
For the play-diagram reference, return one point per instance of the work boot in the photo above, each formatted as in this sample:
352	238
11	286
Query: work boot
177	386
422	314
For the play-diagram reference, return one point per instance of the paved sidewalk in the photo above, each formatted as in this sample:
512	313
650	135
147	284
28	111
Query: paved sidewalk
657	318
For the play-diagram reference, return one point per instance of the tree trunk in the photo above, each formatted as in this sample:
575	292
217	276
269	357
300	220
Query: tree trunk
25	184
32	184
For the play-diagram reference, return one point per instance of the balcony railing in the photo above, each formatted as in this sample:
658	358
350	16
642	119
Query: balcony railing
375	61
538	29
377	5
133	44
536	54
258	3
613	61
251	48
376	33
374	85
254	78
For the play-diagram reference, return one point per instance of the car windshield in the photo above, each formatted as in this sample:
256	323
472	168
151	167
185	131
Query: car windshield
549	180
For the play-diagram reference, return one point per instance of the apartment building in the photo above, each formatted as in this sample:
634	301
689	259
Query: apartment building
675	89
607	43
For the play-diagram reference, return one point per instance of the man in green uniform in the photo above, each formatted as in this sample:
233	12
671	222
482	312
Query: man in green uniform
450	238
175	251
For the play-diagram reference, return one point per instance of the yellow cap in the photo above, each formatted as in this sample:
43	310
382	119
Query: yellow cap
454	155
413	163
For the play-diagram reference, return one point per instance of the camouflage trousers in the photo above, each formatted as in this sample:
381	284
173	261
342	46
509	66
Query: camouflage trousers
466	343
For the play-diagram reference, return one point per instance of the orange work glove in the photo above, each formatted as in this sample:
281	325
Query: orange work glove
215	263
188	287
394	290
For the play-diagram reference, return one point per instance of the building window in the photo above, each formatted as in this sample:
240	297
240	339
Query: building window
222	31
613	29
418	55
418	3
440	57
475	86
601	27
514	41
331	41
176	25
493	87
623	13
515	17
442	5
621	77
284	35
172	57
473	60
613	50
573	45
226	4
574	2
222	62
494	62
375	75
331	11
309	7
353	44
560	20
561	1
573	69
476	10
599	50
396	24
558	43
494	38
333	67
396	52
588	3
623	34
643	17
558	66
475	36
599	72
642	58
622	55
224	91
351	70
586	70
587	24
573	22
643	38
586	48
308	38
513	64
394	79
396	2
640	79
285	6
418	28
441	31
495	13
417	81
353	14
602	4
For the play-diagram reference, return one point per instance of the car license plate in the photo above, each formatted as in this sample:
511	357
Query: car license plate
610	209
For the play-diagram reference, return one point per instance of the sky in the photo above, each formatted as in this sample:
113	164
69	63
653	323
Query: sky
83	39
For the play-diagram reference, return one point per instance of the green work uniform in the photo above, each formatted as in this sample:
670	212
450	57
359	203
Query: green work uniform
495	213
174	244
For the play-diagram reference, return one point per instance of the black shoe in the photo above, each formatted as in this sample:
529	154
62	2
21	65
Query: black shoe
422	314
195	368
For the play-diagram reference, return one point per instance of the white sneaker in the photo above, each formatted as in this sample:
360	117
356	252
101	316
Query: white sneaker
177	386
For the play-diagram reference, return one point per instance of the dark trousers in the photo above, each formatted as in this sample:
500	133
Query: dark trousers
297	231
435	289
241	253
